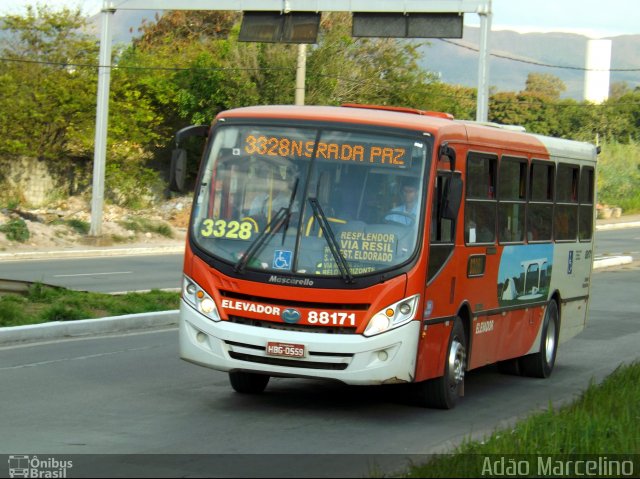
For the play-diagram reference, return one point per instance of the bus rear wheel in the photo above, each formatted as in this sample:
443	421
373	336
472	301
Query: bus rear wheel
540	364
248	383
443	392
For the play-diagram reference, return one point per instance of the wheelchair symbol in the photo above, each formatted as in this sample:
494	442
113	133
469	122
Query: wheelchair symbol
282	259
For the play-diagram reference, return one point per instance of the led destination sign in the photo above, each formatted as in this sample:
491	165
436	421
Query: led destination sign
359	152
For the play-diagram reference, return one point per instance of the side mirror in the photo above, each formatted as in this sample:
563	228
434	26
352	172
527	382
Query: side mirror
446	150
178	171
453	198
193	130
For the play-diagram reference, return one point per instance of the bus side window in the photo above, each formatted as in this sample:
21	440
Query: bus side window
565	221
512	182
585	227
540	207
480	207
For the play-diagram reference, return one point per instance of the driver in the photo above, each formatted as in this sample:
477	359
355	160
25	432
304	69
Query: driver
269	203
405	213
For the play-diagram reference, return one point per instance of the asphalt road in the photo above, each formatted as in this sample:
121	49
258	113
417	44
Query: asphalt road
105	274
618	242
131	394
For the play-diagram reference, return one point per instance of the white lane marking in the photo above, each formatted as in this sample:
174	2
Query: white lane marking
76	358
90	274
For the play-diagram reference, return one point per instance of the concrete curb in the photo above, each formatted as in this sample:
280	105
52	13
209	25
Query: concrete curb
618	226
605	262
13	335
62	254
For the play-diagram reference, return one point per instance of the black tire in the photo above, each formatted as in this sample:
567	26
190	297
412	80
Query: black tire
248	383
540	364
443	392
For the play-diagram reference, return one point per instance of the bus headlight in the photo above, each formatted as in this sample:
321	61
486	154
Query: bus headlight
199	299
393	316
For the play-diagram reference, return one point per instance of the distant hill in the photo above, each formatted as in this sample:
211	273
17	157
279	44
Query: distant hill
459	65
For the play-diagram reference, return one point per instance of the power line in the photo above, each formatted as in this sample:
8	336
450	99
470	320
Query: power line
459	45
540	64
130	67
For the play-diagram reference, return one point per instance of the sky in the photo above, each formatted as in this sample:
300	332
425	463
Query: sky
594	18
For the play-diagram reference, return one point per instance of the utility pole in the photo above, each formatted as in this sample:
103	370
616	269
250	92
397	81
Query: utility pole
301	72
102	116
482	112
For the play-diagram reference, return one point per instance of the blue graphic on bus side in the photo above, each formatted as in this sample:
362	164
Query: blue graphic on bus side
570	263
525	274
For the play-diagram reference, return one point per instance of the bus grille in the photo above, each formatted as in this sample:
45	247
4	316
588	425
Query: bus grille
340	363
287	362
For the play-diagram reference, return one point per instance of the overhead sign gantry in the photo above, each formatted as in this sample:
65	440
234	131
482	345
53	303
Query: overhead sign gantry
296	21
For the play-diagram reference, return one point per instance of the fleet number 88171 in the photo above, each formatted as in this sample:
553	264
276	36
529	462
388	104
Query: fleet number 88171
333	319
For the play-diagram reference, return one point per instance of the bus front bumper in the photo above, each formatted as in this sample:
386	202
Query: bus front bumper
350	358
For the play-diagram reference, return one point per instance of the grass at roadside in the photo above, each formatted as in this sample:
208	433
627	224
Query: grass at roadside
605	420
42	304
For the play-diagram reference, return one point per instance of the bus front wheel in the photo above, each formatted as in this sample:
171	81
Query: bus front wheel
443	392
248	383
540	364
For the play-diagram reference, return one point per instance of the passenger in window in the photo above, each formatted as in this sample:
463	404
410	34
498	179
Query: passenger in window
477	234
479	231
405	213
535	231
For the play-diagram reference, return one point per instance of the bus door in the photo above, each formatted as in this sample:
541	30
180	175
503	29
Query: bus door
442	270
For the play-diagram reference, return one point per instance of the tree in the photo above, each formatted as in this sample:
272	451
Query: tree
220	72
618	89
458	100
343	69
49	111
545	84
49	94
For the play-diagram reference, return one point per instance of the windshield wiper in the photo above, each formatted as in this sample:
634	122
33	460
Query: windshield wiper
276	222
288	212
343	266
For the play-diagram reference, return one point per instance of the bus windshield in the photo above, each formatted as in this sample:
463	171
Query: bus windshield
311	201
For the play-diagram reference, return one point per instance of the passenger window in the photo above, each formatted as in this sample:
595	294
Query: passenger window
540	207
585	227
512	199
565	217
480	206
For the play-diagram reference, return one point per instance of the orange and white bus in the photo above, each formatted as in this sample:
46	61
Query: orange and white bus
303	260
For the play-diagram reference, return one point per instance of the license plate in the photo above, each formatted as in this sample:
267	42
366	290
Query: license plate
286	350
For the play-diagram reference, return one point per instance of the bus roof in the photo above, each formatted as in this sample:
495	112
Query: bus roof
438	124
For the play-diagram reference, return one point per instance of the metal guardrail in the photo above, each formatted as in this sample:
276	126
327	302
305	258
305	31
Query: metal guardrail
20	287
